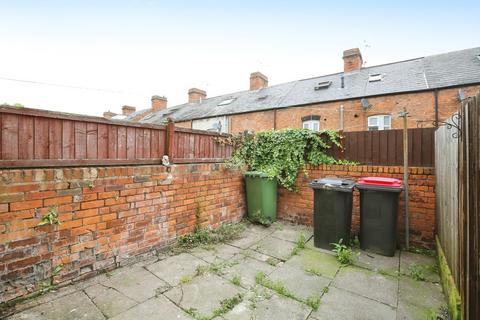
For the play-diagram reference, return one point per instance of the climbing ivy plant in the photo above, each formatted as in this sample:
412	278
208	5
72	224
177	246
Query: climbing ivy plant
282	153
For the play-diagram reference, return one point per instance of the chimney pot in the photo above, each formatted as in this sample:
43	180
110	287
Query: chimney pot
196	95
352	60
258	80
126	110
109	115
158	103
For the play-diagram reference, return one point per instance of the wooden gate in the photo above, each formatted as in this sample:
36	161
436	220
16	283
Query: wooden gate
458	191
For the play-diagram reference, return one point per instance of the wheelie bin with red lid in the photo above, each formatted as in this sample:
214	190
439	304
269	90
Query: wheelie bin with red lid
378	214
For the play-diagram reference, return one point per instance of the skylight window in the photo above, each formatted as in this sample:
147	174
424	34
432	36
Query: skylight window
323	85
225	102
375	77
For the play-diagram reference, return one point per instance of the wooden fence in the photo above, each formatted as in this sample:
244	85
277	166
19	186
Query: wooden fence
446	165
458	205
39	138
386	147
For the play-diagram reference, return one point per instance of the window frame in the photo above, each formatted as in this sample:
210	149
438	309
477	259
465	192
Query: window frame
310	122
381	124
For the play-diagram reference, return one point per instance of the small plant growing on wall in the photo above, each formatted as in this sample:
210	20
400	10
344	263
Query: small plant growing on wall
51	217
282	153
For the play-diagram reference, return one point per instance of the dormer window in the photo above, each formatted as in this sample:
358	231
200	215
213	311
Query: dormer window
375	77
323	85
311	122
225	102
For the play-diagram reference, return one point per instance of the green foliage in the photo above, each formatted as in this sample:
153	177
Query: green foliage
257	217
416	272
423	251
185	279
227	305
314	271
51	217
237	280
280	154
299	244
278	287
344	254
272	261
313	302
226	232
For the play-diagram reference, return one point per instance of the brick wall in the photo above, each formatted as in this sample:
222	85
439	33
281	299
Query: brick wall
108	216
298	207
420	105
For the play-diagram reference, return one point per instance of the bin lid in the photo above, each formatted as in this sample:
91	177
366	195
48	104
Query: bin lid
380	181
257	174
333	184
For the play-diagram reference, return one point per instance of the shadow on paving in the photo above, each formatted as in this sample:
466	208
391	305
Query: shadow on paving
257	276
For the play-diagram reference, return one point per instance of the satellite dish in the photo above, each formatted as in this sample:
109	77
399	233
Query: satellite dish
365	103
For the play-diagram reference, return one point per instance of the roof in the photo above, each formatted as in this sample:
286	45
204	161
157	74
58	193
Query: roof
425	73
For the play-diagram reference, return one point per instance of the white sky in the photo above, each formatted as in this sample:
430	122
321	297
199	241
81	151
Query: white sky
134	49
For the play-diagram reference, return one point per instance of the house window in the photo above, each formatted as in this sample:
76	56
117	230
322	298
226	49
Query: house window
311	122
375	77
380	122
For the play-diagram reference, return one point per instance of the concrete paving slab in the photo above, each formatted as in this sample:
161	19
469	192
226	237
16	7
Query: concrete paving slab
292	232
248	239
247	268
271	307
71	307
341	304
156	308
255	255
109	301
260	229
376	262
174	268
316	262
424	264
303	285
136	283
418	298
369	284
203	294
223	251
274	247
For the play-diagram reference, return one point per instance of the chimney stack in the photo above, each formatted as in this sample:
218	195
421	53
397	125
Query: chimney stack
109	114
352	60
258	80
196	95
126	110
158	103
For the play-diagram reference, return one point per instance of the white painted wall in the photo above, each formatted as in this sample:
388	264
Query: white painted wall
211	124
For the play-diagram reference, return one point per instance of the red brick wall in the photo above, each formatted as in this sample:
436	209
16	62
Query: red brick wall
255	121
298	207
108	216
420	105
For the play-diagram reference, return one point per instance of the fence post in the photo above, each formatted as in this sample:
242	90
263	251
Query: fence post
170	140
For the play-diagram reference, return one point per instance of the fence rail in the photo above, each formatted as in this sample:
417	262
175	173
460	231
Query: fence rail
386	147
39	138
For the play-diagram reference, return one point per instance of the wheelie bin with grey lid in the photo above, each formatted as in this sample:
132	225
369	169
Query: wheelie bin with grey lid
332	211
378	214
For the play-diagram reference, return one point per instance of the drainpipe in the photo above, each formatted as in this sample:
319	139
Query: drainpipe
342	111
274	119
435	93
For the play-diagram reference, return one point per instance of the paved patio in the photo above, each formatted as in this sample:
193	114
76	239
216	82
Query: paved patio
220	283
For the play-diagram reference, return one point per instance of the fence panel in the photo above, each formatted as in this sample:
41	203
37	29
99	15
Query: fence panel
198	146
446	164
386	147
31	137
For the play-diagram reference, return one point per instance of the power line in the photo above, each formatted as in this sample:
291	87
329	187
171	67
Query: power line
64	85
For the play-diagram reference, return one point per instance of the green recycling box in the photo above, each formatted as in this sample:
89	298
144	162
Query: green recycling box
261	195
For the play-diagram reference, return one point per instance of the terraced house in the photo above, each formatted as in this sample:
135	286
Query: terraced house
359	98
